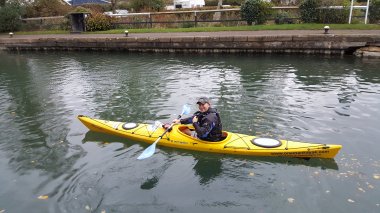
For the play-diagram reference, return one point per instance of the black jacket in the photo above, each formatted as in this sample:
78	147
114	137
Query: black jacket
209	125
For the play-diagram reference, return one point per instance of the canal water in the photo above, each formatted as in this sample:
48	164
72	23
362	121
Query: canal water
49	162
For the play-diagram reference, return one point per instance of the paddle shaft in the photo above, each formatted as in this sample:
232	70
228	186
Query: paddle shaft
159	138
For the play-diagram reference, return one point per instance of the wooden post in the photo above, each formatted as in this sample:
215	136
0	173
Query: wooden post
195	19
150	20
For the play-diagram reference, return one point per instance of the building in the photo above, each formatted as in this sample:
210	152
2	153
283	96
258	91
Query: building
188	3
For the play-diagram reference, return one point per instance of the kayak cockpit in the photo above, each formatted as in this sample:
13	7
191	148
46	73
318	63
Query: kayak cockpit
189	132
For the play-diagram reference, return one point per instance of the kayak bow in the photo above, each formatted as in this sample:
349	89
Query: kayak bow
233	143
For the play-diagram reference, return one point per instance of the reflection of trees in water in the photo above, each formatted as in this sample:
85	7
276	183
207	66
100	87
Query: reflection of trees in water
37	130
207	169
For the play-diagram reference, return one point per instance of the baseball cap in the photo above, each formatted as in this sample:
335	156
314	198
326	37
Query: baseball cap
203	100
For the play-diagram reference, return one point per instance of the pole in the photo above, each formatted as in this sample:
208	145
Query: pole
366	13
352	5
195	19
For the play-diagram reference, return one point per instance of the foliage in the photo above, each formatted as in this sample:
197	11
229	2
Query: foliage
283	17
97	8
45	8
98	22
256	11
374	11
10	17
309	11
329	15
146	5
81	9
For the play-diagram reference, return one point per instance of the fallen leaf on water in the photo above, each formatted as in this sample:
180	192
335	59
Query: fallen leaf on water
361	189
370	186
87	207
43	197
376	176
251	174
2	210
327	191
291	200
351	201
103	211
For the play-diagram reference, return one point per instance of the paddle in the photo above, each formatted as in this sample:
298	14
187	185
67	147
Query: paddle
152	148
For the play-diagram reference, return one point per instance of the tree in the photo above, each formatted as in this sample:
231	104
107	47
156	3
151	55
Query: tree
10	17
146	5
113	6
44	8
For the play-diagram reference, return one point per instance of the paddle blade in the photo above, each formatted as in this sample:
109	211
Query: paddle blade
148	152
185	109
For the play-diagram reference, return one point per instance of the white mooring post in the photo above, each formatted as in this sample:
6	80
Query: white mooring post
366	13
352	5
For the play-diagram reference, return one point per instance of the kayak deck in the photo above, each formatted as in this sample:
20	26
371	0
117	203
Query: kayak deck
233	143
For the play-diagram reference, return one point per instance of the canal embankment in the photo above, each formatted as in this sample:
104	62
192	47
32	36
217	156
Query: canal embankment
364	43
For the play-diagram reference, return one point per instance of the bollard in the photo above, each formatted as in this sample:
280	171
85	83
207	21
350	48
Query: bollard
126	33
326	28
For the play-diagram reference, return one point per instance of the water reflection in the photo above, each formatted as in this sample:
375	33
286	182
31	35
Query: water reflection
208	165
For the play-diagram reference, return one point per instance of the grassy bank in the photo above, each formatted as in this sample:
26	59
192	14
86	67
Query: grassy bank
236	28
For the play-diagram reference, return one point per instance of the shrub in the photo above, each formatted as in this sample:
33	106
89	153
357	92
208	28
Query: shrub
98	22
10	17
44	8
146	5
329	15
255	11
309	11
374	11
283	17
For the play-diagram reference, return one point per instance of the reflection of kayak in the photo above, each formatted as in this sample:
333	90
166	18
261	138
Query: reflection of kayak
233	143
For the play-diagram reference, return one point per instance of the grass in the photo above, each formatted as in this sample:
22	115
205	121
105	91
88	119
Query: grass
218	29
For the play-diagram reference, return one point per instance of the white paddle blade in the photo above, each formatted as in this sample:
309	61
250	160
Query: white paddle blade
148	152
185	109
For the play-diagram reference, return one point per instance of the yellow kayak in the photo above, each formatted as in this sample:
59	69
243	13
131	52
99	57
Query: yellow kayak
233	143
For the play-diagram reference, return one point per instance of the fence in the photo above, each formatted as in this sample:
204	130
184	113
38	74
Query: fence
196	18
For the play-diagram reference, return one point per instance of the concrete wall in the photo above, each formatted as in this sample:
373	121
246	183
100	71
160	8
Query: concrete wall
310	44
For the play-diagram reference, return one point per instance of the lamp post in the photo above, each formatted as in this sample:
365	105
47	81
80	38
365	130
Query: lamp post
126	33
10	35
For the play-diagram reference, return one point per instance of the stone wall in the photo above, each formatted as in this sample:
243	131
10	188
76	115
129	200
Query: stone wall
310	44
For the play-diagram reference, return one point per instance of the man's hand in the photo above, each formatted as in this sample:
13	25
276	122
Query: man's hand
176	121
195	119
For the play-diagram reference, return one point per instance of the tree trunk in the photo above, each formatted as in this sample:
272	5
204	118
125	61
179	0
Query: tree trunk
113	6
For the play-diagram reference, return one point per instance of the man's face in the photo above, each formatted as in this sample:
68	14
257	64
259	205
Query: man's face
203	107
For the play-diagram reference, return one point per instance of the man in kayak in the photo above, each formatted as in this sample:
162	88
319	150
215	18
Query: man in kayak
206	122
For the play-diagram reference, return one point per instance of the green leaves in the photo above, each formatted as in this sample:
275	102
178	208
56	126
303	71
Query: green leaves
98	22
10	17
309	11
374	11
255	11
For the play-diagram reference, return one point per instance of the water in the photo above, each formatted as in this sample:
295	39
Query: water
49	162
